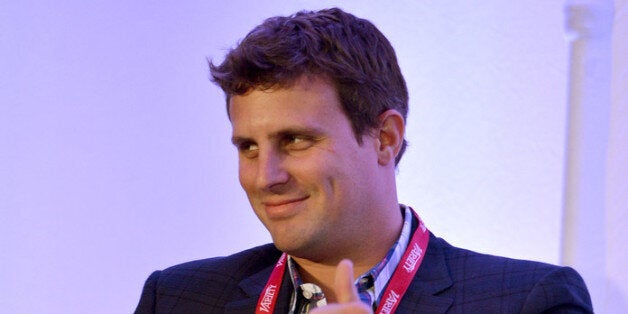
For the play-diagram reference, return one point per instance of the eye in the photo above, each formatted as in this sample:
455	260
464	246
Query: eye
297	142
248	149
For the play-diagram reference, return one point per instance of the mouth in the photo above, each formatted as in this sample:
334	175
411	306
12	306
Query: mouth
279	209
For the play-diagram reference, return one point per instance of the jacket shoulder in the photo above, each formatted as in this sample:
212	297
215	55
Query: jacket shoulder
235	266
490	282
205	285
466	264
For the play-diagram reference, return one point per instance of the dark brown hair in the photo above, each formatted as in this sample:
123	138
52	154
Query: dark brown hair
351	52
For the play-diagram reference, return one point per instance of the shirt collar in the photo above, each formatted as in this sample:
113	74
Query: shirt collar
380	274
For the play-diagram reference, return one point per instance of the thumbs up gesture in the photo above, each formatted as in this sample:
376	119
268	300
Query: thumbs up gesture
346	293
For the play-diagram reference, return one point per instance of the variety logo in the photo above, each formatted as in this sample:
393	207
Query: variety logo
280	262
389	304
268	297
412	259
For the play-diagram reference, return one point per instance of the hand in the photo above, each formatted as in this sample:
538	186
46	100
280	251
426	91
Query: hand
346	293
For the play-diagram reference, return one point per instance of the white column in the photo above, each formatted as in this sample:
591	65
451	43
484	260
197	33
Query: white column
616	300
589	27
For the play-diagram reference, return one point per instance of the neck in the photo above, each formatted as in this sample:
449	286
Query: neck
366	252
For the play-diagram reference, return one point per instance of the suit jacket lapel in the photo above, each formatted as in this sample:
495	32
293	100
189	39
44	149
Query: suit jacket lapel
432	278
253	286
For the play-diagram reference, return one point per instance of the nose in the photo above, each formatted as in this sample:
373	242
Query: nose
272	174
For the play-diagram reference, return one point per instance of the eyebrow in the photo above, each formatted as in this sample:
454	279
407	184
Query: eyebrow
236	140
310	131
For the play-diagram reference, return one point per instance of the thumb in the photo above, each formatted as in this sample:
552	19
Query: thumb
343	285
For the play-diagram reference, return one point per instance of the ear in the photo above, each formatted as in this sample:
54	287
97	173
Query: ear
390	135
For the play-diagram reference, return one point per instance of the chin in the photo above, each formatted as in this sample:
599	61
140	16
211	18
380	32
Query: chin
285	246
289	247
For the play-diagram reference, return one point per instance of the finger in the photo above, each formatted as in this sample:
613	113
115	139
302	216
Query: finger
343	285
353	308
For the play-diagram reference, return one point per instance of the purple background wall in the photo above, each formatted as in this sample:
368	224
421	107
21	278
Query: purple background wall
114	147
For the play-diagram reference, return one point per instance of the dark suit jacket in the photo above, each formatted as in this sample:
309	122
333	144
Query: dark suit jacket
450	280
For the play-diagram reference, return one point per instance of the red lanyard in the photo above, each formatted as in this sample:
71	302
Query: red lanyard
268	298
397	285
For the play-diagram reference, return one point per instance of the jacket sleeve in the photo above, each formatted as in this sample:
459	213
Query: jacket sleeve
147	300
560	291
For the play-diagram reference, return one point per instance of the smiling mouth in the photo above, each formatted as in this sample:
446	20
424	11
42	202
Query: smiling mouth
284	208
285	202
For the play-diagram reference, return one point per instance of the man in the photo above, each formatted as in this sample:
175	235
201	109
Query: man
318	106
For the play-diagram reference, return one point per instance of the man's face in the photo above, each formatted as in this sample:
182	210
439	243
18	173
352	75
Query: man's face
306	176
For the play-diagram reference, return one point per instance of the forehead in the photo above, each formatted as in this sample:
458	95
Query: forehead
303	84
308	102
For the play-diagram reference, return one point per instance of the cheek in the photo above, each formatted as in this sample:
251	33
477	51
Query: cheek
246	175
325	174
352	170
